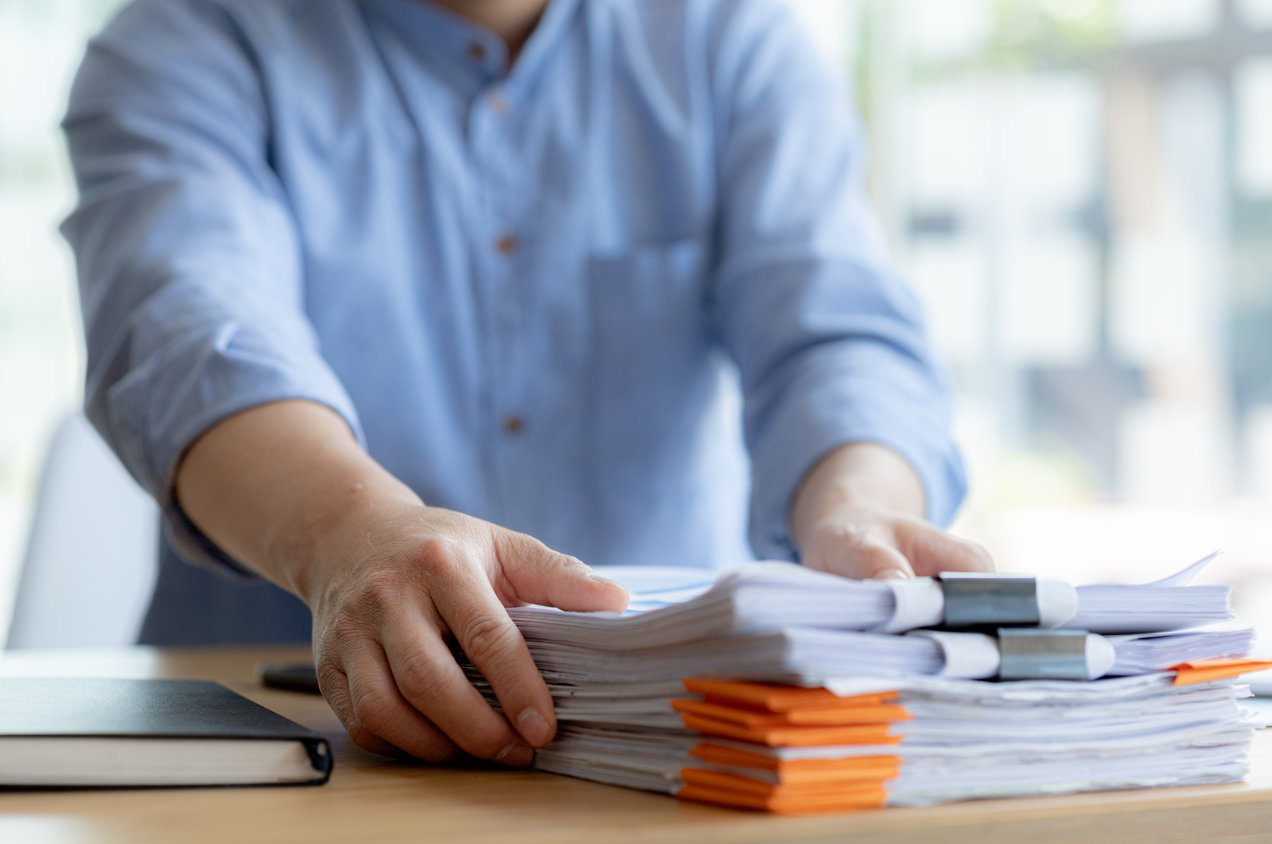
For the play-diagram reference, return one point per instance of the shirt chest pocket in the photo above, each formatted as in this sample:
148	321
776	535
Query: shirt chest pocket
650	339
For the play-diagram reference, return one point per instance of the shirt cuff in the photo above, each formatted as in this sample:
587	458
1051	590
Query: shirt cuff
161	407
832	403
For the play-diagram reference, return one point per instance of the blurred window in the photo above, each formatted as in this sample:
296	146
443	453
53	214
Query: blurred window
1156	20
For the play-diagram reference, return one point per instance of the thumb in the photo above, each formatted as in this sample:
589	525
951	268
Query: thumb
868	560
535	574
932	551
861	555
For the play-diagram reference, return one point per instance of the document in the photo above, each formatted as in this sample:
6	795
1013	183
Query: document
672	605
772	687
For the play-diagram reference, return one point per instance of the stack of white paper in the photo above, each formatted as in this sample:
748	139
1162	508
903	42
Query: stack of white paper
778	688
1146	652
955	740
809	656
671	605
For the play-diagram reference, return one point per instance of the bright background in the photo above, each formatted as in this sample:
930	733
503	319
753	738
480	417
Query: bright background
1081	191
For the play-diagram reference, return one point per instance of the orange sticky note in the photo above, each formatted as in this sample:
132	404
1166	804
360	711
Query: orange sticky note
770	697
802	771
1203	671
735	782
791	736
784	800
820	717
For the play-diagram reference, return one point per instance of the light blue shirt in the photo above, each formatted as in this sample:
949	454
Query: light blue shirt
528	289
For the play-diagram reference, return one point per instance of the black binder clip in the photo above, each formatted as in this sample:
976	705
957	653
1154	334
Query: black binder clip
1043	654
974	600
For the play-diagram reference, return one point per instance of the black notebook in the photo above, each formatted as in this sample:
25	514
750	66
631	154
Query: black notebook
85	733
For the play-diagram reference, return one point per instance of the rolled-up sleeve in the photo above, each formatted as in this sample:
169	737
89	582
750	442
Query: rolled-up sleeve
189	268
830	344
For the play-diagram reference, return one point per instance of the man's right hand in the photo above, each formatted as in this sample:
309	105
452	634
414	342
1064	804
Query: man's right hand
285	489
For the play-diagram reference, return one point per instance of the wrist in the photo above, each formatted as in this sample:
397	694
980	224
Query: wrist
277	486
858	476
340	525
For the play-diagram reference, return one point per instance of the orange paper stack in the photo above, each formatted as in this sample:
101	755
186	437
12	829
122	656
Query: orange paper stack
787	716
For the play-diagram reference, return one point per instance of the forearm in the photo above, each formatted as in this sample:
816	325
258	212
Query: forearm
270	485
855	475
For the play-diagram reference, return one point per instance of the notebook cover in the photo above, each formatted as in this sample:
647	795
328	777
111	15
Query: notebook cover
170	709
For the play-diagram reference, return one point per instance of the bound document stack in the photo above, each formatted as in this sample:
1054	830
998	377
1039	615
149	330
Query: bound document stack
778	688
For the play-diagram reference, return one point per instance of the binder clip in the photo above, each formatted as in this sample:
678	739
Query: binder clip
1023	654
977	600
967	601
1052	655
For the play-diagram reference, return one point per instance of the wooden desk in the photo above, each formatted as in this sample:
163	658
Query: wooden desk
374	800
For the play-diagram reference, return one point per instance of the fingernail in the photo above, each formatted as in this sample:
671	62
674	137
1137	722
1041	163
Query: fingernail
893	574
517	754
533	727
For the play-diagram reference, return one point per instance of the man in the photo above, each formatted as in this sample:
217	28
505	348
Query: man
377	291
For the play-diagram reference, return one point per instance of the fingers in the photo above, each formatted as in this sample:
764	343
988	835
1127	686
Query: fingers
861	555
882	561
375	715
335	688
427	677
881	544
380	708
932	550
536	574
488	637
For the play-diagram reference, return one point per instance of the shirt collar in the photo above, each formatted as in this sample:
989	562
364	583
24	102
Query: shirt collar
440	31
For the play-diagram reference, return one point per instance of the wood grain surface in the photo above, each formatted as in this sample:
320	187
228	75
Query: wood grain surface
375	800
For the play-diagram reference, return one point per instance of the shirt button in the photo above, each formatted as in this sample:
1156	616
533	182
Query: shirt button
498	102
512	424
506	244
476	52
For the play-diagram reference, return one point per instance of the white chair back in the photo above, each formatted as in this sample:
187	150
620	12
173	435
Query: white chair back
92	552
